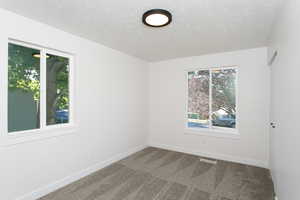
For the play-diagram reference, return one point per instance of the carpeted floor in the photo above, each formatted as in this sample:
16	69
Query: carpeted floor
157	174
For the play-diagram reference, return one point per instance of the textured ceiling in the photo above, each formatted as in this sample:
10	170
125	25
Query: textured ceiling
198	27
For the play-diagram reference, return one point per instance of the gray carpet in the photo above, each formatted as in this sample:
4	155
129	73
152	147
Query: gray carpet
157	174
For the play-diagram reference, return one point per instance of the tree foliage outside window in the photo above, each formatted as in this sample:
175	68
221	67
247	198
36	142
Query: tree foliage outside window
24	70
23	88
57	88
24	73
198	98
213	99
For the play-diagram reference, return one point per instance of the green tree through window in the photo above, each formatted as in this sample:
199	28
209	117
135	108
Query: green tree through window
24	84
212	96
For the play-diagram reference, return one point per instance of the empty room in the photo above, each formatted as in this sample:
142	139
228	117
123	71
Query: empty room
149	100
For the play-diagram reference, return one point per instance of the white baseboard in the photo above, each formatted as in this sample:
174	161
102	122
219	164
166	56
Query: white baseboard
246	161
274	183
42	191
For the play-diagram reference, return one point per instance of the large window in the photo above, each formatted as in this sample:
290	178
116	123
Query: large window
212	98
38	87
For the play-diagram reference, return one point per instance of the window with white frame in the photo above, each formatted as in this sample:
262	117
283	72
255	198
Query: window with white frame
39	92
212	98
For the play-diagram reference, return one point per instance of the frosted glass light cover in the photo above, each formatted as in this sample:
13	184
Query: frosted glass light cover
157	19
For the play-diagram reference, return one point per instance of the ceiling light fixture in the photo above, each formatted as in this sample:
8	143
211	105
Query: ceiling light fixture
157	18
37	55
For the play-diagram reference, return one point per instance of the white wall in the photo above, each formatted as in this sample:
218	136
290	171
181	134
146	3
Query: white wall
111	105
111	111
285	138
167	89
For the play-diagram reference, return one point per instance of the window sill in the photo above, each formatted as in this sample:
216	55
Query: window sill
219	133
37	134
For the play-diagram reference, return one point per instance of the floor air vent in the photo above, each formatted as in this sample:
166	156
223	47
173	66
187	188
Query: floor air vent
213	162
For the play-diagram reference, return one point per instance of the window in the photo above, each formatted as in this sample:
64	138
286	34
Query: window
212	99
57	89
38	88
23	88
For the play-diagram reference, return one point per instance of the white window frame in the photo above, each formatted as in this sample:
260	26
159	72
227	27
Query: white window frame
45	131
213	130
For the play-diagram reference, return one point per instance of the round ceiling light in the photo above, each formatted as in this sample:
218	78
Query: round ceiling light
157	18
38	55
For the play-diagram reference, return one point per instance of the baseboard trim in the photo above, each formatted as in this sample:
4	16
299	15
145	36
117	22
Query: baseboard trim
274	183
246	161
40	192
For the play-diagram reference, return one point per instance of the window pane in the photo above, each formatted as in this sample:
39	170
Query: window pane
23	88
198	99
223	98
57	89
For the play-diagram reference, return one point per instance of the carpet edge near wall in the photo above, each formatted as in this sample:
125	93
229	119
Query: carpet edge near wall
247	161
44	190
